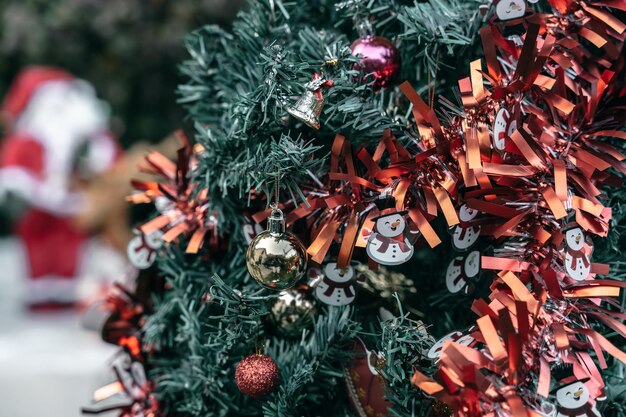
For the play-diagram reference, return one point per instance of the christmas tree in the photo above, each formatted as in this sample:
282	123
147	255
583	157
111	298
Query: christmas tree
387	209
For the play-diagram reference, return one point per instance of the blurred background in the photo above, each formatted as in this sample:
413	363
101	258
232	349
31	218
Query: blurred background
129	51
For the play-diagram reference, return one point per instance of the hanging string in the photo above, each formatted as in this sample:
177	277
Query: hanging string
259	345
433	87
276	190
430	103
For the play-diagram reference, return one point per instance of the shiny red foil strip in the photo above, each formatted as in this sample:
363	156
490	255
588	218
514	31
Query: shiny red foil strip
187	213
563	86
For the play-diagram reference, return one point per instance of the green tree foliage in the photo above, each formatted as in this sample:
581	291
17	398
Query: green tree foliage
237	84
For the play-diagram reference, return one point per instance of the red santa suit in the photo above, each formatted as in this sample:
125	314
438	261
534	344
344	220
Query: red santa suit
53	116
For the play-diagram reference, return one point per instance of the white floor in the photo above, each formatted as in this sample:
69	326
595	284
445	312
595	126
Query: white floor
49	364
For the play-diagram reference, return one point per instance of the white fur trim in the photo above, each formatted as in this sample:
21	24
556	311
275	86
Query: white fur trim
18	180
39	193
51	288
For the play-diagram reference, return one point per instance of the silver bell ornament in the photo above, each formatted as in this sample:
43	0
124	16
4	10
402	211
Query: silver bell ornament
276	259
309	106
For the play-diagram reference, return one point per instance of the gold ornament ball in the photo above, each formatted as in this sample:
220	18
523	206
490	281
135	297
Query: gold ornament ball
293	311
276	259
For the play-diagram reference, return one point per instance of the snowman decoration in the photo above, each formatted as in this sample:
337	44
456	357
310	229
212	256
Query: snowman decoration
250	230
461	271
434	353
388	243
577	263
503	127
510	9
510	14
336	287
464	237
573	400
142	248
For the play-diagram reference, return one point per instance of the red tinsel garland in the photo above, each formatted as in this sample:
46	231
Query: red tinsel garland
562	95
184	209
562	86
132	395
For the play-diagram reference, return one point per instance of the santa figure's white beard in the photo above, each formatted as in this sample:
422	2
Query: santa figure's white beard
64	106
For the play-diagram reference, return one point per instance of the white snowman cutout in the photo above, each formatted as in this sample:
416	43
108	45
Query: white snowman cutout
510	9
336	286
434	353
464	237
503	127
577	263
388	243
460	272
251	230
142	249
573	400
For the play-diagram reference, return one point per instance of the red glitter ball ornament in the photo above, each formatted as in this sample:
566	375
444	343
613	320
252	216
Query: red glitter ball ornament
380	59
257	375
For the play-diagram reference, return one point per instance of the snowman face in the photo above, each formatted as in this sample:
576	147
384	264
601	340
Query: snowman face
435	351
472	264
573	395
338	275
510	9
466	214
390	226
575	238
503	127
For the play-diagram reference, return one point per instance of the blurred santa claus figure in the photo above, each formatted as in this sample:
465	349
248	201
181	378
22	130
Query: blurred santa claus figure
56	138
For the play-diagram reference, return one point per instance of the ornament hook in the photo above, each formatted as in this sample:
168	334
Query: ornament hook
276	221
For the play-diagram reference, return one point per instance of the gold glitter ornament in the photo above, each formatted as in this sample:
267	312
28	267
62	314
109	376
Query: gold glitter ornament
276	259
